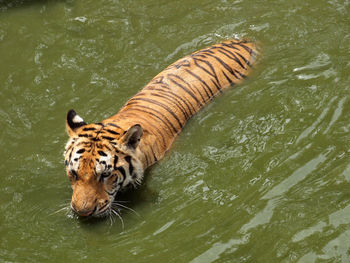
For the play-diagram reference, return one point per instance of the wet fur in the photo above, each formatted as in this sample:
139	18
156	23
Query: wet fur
104	158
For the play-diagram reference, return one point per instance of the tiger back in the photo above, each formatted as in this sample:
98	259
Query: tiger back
104	158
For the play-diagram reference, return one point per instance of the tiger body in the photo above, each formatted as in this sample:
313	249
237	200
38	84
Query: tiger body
104	158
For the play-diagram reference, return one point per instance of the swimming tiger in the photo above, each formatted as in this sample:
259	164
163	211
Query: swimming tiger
104	158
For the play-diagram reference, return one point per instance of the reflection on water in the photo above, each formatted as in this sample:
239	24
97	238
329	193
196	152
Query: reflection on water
261	174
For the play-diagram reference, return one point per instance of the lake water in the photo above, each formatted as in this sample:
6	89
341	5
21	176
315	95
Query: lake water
260	175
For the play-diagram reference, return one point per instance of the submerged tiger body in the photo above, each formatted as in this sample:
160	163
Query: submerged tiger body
104	158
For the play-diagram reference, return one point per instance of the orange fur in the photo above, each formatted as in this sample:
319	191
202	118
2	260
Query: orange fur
125	144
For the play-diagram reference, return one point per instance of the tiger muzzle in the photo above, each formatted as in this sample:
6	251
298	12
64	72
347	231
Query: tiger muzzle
85	212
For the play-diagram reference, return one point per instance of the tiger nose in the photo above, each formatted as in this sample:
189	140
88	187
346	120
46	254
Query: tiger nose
84	212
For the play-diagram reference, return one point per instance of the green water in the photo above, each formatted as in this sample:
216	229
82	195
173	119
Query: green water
260	175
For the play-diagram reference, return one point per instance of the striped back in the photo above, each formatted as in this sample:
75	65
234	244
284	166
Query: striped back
164	105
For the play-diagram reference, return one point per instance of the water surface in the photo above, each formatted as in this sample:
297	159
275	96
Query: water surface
260	175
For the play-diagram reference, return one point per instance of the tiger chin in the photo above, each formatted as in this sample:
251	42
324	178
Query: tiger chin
105	158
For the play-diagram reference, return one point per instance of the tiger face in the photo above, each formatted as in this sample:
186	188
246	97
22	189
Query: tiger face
100	159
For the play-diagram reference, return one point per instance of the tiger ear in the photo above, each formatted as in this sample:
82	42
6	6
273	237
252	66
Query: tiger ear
133	136
73	122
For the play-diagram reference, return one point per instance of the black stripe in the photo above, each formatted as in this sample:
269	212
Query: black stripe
89	129
185	89
115	162
213	73
174	101
80	143
108	148
153	153
114	125
70	147
146	156
160	105
251	51
227	67
212	68
70	155
182	63
231	46
208	50
243	76
233	56
169	92
102	153
158	80
203	82
131	168
108	138
244	59
228	79
200	54
200	93
86	144
219	89
122	171
144	109
85	135
111	131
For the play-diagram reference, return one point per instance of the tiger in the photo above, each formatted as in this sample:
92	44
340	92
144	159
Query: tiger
105	158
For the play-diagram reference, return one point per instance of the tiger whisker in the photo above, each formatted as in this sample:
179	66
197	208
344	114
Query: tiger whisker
128	208
60	210
63	205
121	219
111	218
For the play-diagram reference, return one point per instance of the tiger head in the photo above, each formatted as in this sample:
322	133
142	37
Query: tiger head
100	159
